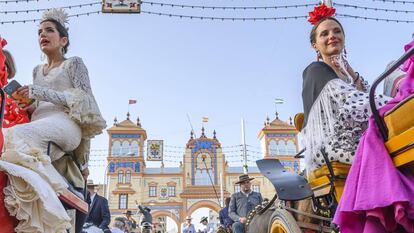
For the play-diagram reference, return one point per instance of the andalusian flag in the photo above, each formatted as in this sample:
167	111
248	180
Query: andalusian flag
278	101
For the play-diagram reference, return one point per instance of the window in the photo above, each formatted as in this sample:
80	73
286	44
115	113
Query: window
171	191
125	148
123	201
273	149
152	191
237	188
256	188
128	177
291	148
116	148
282	147
133	150
121	177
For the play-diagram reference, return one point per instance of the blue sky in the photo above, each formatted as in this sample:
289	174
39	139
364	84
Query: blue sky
224	70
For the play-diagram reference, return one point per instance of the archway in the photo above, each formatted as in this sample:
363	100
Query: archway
206	204
205	208
165	222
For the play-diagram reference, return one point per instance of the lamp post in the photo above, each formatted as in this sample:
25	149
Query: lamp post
106	181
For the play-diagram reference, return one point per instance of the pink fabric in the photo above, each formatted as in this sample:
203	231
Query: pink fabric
378	197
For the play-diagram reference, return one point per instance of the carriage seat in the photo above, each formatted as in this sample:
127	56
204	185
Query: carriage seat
400	124
289	185
320	183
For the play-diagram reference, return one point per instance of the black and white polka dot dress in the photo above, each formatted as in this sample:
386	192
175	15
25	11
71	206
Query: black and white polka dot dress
342	126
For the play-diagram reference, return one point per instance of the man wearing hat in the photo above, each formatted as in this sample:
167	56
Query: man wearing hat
188	227
147	215
99	214
242	203
130	223
206	227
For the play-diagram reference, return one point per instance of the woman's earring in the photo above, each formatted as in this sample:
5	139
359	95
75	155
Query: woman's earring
345	52
42	56
318	55
62	50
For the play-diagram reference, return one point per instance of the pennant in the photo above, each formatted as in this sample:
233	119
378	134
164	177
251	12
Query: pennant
132	102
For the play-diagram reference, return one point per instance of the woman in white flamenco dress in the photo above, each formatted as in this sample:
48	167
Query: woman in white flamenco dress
65	113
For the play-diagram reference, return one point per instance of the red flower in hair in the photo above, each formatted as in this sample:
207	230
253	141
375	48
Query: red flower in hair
320	12
3	42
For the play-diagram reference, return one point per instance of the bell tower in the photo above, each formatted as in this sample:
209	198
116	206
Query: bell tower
279	140
125	164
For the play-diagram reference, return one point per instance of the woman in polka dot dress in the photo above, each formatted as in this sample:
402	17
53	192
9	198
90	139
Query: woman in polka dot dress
335	99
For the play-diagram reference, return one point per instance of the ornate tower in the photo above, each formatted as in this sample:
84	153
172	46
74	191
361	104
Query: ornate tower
279	140
204	164
125	164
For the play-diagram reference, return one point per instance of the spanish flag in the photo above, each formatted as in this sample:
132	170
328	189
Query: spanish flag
205	119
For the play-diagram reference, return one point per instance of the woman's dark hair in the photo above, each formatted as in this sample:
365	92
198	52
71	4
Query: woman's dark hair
312	36
10	65
63	32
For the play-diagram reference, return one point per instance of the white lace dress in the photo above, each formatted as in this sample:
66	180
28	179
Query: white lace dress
66	112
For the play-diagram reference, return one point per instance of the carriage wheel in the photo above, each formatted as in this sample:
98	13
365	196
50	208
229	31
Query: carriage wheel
283	222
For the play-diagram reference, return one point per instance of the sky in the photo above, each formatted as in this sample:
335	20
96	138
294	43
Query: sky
180	70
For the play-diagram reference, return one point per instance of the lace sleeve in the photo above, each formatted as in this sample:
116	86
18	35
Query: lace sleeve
79	74
83	108
46	94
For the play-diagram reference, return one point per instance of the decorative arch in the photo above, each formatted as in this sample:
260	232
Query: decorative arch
203	204
163	213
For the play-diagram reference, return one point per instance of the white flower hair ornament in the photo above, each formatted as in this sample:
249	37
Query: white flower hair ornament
57	14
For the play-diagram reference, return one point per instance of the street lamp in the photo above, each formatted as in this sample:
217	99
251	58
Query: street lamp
106	181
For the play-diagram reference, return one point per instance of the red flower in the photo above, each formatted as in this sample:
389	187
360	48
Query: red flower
320	12
3	42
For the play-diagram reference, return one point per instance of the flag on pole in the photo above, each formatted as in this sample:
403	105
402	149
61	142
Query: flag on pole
278	101
132	102
205	119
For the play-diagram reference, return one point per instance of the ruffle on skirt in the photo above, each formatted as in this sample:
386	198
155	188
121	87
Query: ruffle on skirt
34	184
33	202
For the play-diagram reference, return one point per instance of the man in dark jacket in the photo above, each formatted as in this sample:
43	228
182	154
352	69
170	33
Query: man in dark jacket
242	203
147	215
99	213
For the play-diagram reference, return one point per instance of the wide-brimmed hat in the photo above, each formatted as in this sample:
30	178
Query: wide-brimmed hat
244	178
128	212
203	219
188	218
90	183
